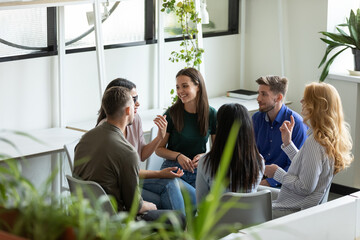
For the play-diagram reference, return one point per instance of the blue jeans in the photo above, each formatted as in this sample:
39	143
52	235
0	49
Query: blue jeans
166	193
188	177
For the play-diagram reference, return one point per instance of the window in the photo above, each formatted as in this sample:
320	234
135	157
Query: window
116	27
28	33
223	19
24	32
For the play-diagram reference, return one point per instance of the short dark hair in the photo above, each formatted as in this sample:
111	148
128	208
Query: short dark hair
117	82
277	84
114	101
121	82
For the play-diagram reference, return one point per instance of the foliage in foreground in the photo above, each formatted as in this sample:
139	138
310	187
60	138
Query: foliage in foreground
41	215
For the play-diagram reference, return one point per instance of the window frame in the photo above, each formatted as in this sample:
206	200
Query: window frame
150	32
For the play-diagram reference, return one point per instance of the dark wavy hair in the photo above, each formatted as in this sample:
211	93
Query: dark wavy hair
202	103
118	82
246	162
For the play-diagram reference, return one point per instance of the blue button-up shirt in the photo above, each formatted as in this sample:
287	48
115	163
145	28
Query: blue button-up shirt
268	137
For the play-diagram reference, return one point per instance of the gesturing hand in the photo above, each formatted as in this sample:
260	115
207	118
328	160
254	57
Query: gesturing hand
286	130
186	163
169	172
161	122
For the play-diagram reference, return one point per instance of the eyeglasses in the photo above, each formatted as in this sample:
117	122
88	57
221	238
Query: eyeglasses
135	98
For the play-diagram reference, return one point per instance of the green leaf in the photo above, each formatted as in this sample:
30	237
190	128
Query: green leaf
332	43
328	50
187	8
325	71
355	36
342	32
339	38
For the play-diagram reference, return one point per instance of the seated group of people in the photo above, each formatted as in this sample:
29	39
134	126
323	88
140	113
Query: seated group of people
275	147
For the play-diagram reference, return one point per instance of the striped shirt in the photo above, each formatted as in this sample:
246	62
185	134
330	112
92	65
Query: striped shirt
309	175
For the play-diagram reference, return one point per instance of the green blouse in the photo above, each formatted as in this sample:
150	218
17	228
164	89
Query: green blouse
189	141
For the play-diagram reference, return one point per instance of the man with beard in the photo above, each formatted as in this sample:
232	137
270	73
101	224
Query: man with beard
267	121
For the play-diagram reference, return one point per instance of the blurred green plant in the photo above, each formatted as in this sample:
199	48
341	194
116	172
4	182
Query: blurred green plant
42	215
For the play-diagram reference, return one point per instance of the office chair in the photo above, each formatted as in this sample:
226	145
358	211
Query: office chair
256	208
154	162
70	153
92	191
274	191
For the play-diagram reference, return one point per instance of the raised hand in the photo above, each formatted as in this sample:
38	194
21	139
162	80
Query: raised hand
161	122
286	130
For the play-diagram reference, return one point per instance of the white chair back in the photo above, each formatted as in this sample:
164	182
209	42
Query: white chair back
92	191
255	208
70	153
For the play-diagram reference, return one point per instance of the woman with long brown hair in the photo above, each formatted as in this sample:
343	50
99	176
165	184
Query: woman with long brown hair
190	123
326	151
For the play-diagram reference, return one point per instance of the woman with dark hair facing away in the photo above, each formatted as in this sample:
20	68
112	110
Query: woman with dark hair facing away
326	151
247	165
190	123
156	184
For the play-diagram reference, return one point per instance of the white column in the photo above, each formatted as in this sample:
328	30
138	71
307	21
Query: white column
281	36
160	83
99	47
61	61
199	37
242	42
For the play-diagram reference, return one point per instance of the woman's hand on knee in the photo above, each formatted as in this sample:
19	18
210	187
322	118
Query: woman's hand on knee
186	163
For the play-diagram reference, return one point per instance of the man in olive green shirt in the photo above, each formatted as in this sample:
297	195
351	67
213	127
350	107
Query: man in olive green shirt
109	159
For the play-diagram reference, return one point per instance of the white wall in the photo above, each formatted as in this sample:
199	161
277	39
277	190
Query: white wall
303	51
302	20
28	88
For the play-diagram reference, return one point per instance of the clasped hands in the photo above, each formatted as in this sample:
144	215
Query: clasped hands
188	164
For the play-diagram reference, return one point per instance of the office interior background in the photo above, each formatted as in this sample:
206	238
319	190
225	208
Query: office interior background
274	37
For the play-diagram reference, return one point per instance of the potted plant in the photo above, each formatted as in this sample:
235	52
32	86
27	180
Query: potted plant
38	214
342	41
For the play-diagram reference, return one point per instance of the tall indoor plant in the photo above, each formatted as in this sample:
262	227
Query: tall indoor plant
343	41
190	53
188	18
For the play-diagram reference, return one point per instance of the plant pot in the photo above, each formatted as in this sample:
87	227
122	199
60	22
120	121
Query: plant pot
356	53
9	236
8	218
68	234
